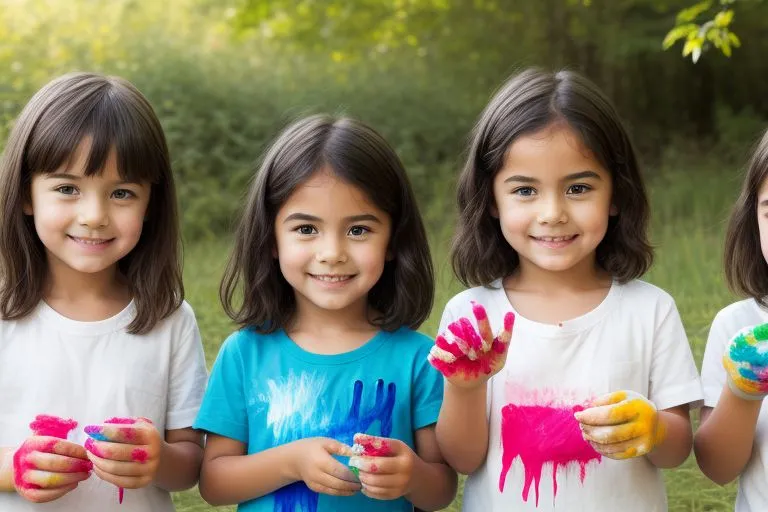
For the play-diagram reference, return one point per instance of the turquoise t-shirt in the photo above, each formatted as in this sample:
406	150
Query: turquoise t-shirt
265	391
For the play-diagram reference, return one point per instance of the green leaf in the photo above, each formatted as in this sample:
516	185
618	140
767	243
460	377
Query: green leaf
724	18
691	13
677	33
734	39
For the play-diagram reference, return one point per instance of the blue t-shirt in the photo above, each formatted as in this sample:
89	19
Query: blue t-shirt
266	391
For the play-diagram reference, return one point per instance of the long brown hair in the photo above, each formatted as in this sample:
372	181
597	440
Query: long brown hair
115	115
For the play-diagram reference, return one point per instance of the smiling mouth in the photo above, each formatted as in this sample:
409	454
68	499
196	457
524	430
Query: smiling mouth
90	241
566	238
331	278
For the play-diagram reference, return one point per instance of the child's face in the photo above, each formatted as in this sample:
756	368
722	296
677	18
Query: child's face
553	200
762	218
86	223
331	244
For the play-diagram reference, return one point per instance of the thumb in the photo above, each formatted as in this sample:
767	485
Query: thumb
334	447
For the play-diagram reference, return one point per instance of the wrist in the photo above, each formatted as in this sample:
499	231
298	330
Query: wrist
6	470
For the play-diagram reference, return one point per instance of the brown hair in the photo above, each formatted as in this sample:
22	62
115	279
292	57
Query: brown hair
525	104
116	116
358	155
745	270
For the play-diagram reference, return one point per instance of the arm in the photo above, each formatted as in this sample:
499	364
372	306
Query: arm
181	455
230	476
462	427
433	483
6	470
723	442
676	445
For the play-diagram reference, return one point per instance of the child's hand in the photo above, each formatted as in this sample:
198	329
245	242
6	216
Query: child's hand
746	363
621	425
315	465
384	466
46	468
469	357
125	451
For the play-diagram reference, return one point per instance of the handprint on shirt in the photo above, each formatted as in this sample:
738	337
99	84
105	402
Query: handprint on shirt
746	362
468	357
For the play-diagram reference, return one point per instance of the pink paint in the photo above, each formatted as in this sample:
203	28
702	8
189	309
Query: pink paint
373	446
374	468
539	435
21	464
140	455
46	425
90	445
121	421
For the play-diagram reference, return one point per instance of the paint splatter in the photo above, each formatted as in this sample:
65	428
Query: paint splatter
45	425
469	352
371	446
296	413
746	361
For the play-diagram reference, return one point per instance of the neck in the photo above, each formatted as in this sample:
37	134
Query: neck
586	275
67	284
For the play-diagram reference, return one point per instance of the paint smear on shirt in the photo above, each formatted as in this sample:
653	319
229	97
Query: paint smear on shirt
542	434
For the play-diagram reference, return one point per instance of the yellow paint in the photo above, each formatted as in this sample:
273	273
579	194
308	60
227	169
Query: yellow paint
643	419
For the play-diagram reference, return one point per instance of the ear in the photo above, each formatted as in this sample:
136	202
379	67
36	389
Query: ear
493	209
27	208
274	252
614	211
390	255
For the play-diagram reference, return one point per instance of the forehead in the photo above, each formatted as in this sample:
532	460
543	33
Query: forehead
552	152
326	195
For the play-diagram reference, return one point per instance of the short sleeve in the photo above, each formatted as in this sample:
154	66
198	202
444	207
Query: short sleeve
224	411
187	375
712	372
427	390
674	379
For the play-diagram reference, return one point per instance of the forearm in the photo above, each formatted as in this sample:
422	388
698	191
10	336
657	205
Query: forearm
179	465
434	485
232	479
723	442
462	428
676	445
6	470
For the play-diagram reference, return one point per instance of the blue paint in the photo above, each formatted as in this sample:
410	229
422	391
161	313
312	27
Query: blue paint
343	426
98	436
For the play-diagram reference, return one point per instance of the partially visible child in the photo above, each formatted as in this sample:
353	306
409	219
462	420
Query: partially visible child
95	336
584	393
333	264
732	439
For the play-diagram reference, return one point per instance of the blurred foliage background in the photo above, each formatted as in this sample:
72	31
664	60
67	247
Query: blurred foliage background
226	75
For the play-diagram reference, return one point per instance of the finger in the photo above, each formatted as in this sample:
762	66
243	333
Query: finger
336	485
613	434
443	355
621	451
120	468
483	326
373	465
126	482
46	495
373	446
465	336
118	451
58	463
379	493
48	480
506	334
605	415
46	444
120	433
334	447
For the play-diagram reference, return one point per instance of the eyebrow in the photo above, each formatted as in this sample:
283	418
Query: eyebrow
763	203
575	176
311	218
75	177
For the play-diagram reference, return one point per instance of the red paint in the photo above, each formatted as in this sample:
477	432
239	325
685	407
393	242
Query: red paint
373	446
120	492
374	468
540	435
44	425
140	455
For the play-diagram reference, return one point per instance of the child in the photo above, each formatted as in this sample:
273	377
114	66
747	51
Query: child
95	336
552	232
731	440
335	271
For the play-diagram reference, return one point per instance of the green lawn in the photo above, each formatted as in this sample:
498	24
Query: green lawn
689	212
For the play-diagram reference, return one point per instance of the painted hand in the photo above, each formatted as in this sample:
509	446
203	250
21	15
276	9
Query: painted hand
124	451
468	357
621	425
47	466
746	363
384	466
314	464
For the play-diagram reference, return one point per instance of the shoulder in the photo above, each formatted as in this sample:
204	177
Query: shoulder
405	338
735	316
489	295
643	296
183	316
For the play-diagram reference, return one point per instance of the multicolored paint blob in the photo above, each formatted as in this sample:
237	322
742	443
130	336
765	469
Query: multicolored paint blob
50	426
296	413
368	446
625	417
469	352
746	362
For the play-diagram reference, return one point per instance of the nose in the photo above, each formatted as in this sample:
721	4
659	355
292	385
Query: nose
552	211
93	213
331	250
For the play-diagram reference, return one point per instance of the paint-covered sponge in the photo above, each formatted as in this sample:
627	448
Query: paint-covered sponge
746	362
54	426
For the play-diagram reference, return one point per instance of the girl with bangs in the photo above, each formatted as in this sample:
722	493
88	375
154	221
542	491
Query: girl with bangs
329	277
102	363
584	394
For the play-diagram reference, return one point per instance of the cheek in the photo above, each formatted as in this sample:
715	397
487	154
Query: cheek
763	230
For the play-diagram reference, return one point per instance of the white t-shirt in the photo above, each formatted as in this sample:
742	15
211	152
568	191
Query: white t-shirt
91	371
633	340
753	489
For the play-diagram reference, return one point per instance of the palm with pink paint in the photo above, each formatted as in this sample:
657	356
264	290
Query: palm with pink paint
469	356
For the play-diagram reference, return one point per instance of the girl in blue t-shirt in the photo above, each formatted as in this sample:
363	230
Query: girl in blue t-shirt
332	263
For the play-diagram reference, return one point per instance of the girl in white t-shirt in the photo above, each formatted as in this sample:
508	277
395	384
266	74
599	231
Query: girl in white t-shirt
732	440
101	365
584	394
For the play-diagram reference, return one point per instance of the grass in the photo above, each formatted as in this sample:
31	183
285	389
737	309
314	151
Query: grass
689	212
